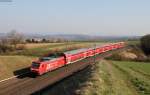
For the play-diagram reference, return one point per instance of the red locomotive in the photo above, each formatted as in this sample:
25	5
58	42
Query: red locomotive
53	61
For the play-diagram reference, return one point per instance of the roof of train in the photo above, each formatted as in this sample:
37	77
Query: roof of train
81	50
76	51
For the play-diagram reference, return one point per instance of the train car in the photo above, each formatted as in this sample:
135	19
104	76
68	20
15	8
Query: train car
106	48
48	63
51	62
95	50
101	50
75	55
88	52
98	50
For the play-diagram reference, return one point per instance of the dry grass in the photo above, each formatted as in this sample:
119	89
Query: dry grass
9	64
52	48
37	45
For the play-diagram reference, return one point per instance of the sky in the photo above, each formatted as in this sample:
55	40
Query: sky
91	17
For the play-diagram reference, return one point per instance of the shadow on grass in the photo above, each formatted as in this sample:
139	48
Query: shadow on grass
23	73
69	85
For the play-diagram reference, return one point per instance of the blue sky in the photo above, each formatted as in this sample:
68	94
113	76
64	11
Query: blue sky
93	17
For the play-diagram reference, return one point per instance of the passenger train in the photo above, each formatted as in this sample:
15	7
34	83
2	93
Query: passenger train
51	62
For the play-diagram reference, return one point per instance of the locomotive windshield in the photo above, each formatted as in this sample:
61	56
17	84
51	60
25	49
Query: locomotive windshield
35	65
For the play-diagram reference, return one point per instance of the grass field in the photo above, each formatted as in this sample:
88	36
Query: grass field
106	78
37	45
39	51
136	66
138	74
9	64
122	78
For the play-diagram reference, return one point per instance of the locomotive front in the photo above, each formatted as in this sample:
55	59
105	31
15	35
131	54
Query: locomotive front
35	67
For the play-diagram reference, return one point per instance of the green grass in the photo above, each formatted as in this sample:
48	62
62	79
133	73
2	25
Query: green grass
138	66
138	74
107	81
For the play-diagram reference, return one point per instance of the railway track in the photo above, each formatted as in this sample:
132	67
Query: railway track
29	84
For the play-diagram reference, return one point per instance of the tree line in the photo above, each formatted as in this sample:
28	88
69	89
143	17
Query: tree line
44	40
10	41
16	41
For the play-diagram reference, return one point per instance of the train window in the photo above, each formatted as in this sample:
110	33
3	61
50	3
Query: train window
35	65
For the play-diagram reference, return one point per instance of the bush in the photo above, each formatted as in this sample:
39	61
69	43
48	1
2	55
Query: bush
145	43
5	48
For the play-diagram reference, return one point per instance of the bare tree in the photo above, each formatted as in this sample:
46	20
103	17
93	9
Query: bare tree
4	46
15	38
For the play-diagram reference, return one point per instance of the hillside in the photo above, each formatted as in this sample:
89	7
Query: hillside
106	78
